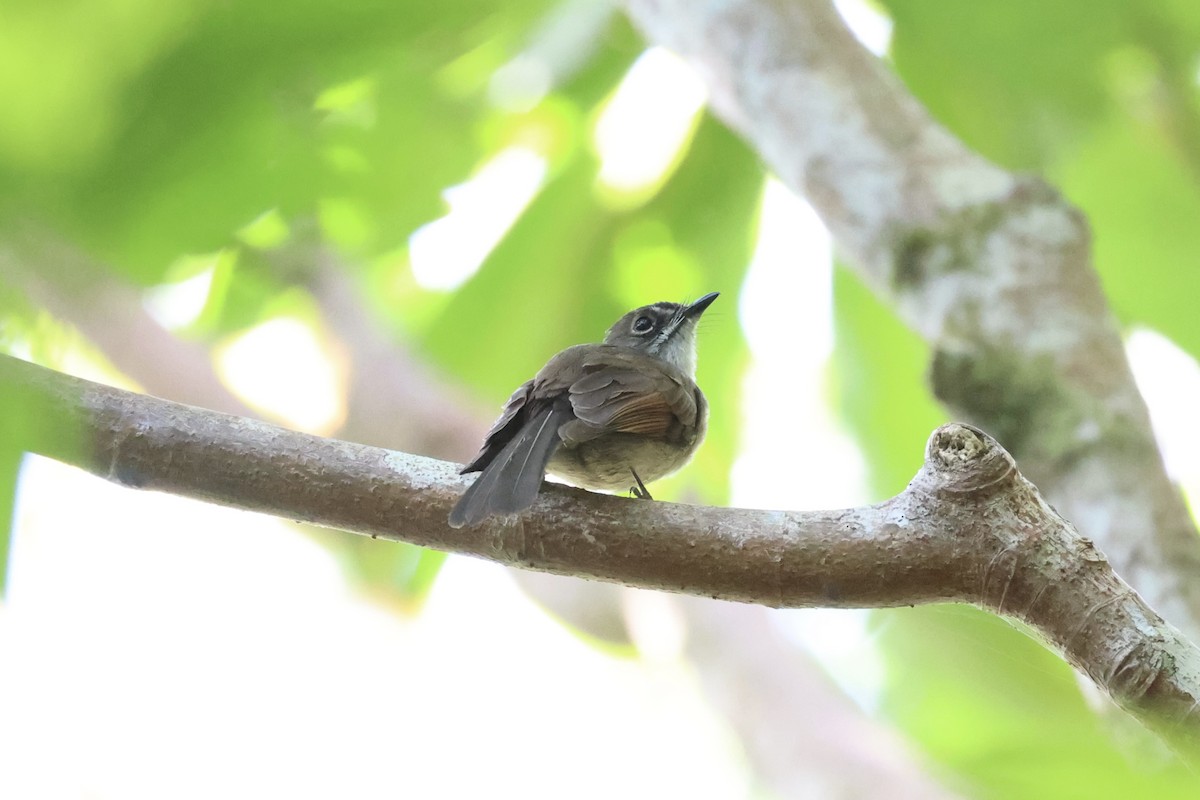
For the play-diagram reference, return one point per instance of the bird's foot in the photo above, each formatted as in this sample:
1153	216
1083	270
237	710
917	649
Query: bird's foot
640	491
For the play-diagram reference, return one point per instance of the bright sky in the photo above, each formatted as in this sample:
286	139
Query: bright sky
159	647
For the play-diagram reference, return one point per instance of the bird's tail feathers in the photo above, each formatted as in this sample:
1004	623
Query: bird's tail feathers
510	483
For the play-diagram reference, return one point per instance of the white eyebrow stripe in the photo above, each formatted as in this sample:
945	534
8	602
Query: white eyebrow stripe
672	325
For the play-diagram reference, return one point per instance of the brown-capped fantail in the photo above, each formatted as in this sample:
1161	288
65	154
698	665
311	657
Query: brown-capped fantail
597	415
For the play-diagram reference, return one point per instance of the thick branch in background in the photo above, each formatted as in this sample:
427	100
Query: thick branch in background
826	751
110	314
394	398
992	269
969	528
423	412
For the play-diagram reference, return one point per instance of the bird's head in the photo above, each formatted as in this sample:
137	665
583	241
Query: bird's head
664	330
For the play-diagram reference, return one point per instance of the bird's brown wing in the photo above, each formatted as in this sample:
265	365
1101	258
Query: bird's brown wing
530	399
581	394
520	444
512	476
629	393
512	419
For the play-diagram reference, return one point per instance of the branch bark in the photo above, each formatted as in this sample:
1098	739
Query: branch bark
754	676
993	269
969	528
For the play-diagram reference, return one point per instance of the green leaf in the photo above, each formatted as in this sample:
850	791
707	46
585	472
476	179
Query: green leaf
709	211
1007	715
217	121
572	265
556	250
879	370
1015	80
1143	203
397	573
540	289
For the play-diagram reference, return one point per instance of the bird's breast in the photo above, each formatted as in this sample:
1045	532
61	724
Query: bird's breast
605	462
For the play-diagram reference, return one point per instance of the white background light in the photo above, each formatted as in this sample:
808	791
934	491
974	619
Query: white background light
642	128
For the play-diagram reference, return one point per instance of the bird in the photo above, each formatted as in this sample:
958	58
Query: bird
597	415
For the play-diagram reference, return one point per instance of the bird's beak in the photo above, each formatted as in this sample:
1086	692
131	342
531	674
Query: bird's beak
697	308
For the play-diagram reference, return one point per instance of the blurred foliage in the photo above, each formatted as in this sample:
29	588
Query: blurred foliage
167	140
1008	714
10	463
235	141
878	357
575	295
215	128
1099	96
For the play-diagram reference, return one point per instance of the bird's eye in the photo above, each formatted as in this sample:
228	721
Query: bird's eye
643	325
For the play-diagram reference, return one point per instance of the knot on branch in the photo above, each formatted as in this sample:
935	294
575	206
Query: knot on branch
962	459
1133	672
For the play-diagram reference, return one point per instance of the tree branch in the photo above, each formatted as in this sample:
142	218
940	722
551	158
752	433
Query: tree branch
772	677
969	528
993	269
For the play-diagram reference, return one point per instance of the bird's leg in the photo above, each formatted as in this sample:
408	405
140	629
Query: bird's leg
640	491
